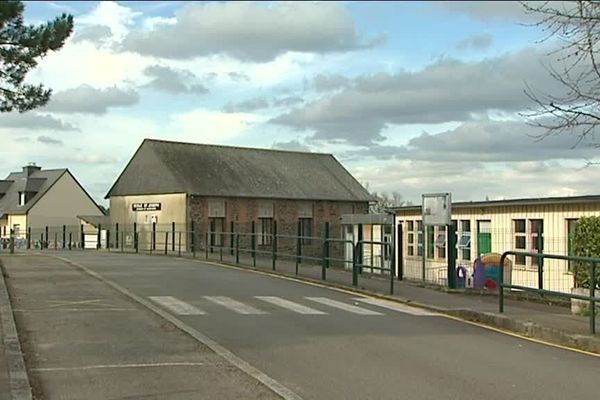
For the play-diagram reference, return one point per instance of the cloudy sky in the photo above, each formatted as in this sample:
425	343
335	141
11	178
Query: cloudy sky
414	97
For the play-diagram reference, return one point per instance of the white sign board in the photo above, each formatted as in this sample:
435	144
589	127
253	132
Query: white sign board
437	209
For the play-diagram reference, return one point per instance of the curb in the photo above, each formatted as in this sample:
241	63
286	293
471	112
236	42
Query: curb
20	388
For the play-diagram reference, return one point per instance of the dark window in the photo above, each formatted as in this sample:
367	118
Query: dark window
430	241
420	238
537	238
520	240
440	242
217	227
464	239
265	231
306	230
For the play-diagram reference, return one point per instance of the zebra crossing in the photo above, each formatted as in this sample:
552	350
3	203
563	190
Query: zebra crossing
318	306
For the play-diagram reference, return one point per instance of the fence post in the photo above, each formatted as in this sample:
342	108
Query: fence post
122	241
47	237
179	251
399	243
540	249
451	241
42	241
70	240
12	241
193	239
237	248
55	240
153	238
117	235
99	238
327	250
166	242
206	246
592	302
231	238
274	244
253	243
298	245
82	236
108	239
135	238
355	263
64	241
29	238
221	252
359	250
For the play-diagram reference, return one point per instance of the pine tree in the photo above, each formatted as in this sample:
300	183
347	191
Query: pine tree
21	46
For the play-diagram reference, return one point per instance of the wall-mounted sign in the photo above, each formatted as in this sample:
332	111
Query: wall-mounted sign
145	206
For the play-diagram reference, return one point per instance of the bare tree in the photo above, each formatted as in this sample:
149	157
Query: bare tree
576	111
385	201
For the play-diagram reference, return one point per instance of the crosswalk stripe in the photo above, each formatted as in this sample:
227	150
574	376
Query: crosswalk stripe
343	306
234	305
177	306
290	305
403	308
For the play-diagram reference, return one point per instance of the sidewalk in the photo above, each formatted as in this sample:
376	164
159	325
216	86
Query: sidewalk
84	340
552	323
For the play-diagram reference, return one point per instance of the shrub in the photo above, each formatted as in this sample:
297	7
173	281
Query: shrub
586	243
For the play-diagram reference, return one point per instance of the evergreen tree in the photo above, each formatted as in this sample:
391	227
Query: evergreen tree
21	46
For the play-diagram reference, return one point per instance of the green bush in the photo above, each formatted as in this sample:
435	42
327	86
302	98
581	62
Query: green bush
586	243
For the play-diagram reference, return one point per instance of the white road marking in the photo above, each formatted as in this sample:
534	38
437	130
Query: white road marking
343	306
234	305
177	306
107	366
290	305
403	308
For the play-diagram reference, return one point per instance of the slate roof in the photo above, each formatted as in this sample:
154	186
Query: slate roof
39	181
160	167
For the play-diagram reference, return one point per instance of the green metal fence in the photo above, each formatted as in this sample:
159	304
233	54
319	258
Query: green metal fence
591	298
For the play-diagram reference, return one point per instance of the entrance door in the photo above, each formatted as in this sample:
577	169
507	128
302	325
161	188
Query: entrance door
484	237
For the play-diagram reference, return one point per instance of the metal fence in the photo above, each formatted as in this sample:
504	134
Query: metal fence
426	254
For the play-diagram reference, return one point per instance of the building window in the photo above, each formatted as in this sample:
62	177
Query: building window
305	230
420	238
21	198
430	241
410	229
484	237
440	242
217	227
571	224
464	241
537	239
520	242
265	231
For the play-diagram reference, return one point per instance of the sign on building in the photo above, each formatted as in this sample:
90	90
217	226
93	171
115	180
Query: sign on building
437	209
146	206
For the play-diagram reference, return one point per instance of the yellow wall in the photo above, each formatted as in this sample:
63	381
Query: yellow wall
20	220
173	209
555	216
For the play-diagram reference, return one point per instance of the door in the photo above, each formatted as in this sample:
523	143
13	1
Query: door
484	237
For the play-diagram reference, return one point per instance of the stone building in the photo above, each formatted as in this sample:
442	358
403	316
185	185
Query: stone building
224	189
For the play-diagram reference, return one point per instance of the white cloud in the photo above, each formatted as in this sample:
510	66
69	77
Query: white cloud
206	126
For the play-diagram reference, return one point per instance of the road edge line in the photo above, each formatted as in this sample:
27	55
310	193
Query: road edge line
20	387
230	357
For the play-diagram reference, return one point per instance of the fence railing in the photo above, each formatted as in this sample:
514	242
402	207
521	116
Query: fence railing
591	298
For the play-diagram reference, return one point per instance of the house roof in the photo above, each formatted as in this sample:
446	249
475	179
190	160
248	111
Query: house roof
160	167
514	202
96	220
38	182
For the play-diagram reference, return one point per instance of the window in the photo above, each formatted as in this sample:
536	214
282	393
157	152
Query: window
410	229
420	238
21	198
430	241
520	236
265	231
571	224
305	230
464	241
216	231
440	242
484	237
537	238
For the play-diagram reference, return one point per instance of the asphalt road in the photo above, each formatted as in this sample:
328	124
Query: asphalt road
308	339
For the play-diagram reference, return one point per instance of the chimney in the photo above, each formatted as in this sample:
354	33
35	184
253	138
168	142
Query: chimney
30	169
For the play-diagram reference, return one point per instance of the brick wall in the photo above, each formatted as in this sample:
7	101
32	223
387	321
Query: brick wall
242	212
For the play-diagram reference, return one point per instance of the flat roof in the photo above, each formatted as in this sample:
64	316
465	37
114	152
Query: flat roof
535	201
